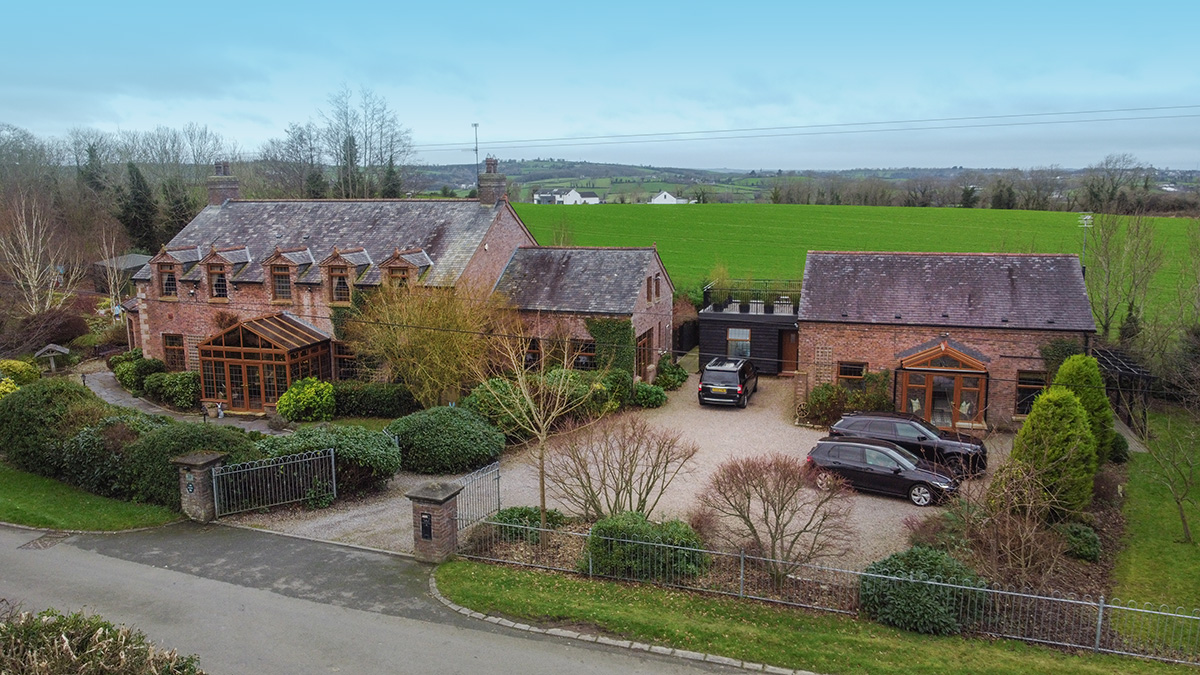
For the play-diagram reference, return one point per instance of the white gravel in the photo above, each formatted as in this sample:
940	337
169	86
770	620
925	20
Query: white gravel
384	521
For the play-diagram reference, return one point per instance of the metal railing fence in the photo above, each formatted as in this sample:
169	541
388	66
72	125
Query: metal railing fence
271	482
480	496
1101	625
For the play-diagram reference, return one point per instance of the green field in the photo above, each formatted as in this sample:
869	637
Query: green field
769	241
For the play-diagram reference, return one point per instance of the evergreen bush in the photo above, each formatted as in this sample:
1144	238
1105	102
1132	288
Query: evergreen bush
1081	374
1082	541
180	390
670	375
1119	453
307	400
372	399
94	458
488	401
905	602
36	419
627	546
524	522
7	386
1056	442
124	357
149	476
649	395
19	372
365	460
446	440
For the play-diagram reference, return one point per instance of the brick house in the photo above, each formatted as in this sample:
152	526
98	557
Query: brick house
249	281
558	288
959	333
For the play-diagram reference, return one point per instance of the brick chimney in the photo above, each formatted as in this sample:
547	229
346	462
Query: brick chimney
222	185
492	185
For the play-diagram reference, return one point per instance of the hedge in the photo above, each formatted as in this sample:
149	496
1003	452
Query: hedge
524	522
1057	442
180	390
148	475
307	400
649	395
132	373
36	419
7	386
446	440
373	399
1081	374
920	607
19	372
365	460
618	547
828	402
670	375
94	458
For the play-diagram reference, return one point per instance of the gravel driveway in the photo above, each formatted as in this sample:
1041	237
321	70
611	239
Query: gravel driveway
384	521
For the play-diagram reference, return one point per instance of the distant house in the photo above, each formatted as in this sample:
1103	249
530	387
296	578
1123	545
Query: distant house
665	197
567	196
958	333
122	267
558	288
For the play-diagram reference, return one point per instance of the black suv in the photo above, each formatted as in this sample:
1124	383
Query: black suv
728	381
959	453
879	466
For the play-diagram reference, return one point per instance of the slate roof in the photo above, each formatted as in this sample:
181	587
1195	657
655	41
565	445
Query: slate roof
589	195
447	231
975	290
577	279
125	262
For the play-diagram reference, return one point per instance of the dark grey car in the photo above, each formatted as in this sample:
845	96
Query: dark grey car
879	466
727	381
958	453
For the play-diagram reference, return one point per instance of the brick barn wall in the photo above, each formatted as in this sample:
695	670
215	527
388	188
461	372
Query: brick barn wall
823	345
505	236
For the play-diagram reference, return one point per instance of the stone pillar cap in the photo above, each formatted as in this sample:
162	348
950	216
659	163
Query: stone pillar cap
436	492
199	460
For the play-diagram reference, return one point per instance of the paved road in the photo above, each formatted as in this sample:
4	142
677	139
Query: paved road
253	602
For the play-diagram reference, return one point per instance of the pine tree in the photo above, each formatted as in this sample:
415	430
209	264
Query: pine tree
92	173
390	189
138	213
315	186
1081	374
1056	442
178	207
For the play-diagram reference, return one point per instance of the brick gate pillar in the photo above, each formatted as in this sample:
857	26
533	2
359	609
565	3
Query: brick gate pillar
196	484
435	521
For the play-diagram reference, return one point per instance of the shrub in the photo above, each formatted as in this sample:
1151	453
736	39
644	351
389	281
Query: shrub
148	475
373	399
37	418
7	386
124	357
365	460
671	375
826	403
907	603
1056	442
618	384
649	396
446	440
93	459
1082	541
180	390
132	373
126	374
485	400
307	400
51	642
19	372
627	546
1081	374
1119	452
514	521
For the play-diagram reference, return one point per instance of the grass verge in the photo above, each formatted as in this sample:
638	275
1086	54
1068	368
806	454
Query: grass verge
751	631
28	499
1155	566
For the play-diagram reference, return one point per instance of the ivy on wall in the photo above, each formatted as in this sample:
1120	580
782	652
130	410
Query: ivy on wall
615	344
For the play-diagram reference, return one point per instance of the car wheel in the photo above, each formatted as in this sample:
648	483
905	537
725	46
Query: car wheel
741	402
825	480
920	494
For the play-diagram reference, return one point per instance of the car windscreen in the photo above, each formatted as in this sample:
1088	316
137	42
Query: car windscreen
934	432
912	459
721	378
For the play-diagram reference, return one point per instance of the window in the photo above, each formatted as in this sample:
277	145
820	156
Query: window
879	459
1030	383
339	284
657	286
281	282
737	343
219	284
850	374
585	356
166	281
344	362
533	353
174	355
398	276
648	288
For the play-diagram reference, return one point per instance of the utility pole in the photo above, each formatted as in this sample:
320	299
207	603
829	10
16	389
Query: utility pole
475	125
1085	222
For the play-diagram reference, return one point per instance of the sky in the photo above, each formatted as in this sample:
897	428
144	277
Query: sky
845	79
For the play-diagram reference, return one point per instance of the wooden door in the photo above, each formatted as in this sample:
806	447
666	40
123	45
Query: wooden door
789	345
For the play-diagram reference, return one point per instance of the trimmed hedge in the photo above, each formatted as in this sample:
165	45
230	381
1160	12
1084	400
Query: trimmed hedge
649	395
132	373
617	547
307	400
148	475
446	440
94	458
515	519
923	608
828	402
373	399
180	390
19	372
365	460
36	419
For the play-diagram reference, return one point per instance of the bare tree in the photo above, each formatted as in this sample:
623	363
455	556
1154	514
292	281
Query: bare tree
619	464
35	256
772	505
1121	263
1107	180
1176	467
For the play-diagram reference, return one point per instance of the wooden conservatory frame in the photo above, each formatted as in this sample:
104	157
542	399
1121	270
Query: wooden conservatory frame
248	366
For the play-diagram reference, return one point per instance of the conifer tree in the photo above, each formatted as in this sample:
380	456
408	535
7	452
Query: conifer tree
138	212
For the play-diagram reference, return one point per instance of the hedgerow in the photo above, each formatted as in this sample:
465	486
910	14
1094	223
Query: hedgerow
627	546
446	440
365	460
148	474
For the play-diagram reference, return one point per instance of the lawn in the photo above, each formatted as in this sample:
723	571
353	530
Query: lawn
27	499
769	241
752	631
1155	567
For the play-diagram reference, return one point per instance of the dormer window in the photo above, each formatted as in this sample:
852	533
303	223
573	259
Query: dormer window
166	281
398	276
219	283
339	284
281	282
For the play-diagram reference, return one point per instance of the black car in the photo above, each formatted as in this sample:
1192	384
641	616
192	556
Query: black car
958	453
727	381
879	466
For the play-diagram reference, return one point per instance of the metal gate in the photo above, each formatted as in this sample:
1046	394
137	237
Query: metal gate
271	482
480	496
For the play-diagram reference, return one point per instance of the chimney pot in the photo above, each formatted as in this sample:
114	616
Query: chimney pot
222	185
492	185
